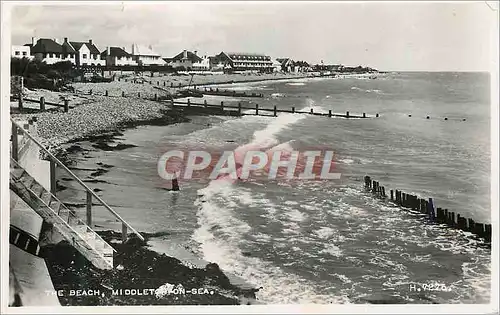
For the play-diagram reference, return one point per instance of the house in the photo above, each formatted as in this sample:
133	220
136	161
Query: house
87	54
187	59
18	51
145	56
276	66
245	62
287	64
50	51
116	56
303	66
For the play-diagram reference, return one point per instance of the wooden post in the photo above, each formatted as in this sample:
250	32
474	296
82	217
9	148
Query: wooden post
90	91
158	83
256	109
205	103
139	94
20	101
392	195
156	97
123	93
329	113
347	114
439	215
53	186
275	114
312	112
364	115
172	103
42	103
487	233
89	209
164	83
383	191
15	143
376	115
431	212
106	94
239	108
66	106
124	232
222	105
189	102
293	110
171	84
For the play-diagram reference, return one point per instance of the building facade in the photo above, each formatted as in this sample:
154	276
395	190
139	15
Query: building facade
244	62
116	56
187	60
287	65
50	51
146	56
87	54
18	51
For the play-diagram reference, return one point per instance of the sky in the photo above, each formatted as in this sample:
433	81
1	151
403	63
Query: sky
392	36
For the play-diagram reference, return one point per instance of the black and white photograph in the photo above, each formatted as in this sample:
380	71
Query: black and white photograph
266	156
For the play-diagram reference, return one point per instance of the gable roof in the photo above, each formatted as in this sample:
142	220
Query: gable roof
116	52
46	45
285	61
67	48
92	48
190	56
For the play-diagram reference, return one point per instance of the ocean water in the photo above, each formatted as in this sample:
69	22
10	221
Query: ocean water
313	241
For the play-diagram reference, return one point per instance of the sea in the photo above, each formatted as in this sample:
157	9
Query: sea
322	241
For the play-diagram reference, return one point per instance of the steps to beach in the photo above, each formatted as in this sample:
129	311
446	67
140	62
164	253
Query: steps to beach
53	211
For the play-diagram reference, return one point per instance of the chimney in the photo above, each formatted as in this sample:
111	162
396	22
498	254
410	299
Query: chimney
34	40
65	39
185	54
108	51
133	49
90	42
196	52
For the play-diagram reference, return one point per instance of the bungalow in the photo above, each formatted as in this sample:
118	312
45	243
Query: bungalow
245	62
186	59
21	51
116	56
50	51
302	66
145	56
87	54
287	64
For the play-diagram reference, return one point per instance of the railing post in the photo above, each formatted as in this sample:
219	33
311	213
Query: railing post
15	144
66	106
53	177
124	232
256	109
89	209
42	103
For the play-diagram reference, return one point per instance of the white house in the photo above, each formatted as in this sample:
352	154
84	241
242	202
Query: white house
187	60
87	54
145	56
50	51
116	56
18	51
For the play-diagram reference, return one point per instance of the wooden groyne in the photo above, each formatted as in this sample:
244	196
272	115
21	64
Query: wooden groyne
42	102
231	93
255	110
427	207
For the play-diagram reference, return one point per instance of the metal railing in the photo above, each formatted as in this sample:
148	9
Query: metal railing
53	162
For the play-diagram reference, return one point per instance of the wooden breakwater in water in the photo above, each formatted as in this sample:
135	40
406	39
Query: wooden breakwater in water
426	206
254	110
230	93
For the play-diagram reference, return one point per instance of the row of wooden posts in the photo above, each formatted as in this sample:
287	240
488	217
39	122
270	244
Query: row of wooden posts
426	206
274	110
42	103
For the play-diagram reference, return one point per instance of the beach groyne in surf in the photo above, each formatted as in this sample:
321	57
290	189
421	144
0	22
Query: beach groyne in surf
427	207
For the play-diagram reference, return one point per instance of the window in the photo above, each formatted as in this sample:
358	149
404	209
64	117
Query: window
51	55
84	56
17	53
24	53
95	56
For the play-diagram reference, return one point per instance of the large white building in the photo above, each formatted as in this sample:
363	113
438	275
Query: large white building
146	56
21	51
87	54
116	56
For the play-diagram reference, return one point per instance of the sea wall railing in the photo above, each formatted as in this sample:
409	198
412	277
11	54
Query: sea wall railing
54	162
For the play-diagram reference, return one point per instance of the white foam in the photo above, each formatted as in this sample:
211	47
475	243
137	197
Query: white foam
295	215
324	232
346	161
331	250
296	83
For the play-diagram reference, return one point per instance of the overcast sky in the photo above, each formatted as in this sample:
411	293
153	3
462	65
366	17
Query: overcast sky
387	36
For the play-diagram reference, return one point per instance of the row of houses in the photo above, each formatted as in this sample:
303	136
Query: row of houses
87	54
